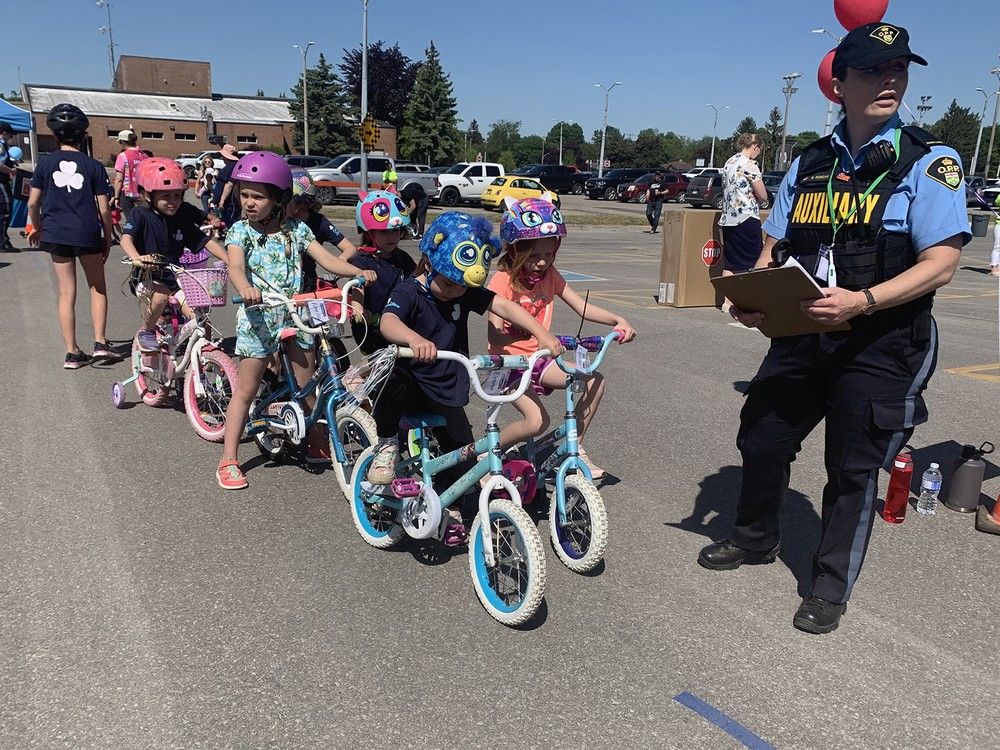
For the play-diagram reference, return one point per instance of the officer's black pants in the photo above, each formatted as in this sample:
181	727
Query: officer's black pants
867	384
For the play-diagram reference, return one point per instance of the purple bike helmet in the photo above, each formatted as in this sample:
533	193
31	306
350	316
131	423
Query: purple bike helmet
264	167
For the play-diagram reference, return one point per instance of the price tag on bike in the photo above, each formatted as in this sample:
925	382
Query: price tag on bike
496	383
582	358
317	311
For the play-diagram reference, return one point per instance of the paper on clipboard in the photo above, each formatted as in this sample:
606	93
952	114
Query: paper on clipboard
778	293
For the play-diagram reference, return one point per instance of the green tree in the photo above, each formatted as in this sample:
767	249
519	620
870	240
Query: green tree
958	128
618	149
528	150
475	137
772	130
329	132
391	78
804	138
503	135
431	129
651	148
507	159
573	141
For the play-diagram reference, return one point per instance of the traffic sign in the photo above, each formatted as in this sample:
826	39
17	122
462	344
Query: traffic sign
607	163
710	253
369	133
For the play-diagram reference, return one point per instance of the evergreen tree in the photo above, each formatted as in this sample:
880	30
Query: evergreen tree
958	128
431	129
329	132
391	77
772	129
473	134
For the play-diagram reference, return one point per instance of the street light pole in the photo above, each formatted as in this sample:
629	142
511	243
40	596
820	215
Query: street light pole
787	91
560	141
979	134
993	130
828	127
305	98
923	107
111	40
364	88
604	128
715	127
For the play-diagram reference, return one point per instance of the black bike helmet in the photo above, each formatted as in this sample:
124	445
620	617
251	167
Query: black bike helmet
67	120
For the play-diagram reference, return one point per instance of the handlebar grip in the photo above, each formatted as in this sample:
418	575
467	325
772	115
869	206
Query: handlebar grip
333	294
236	299
568	342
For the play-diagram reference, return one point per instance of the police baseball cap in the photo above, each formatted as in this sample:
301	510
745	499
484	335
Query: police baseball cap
873	44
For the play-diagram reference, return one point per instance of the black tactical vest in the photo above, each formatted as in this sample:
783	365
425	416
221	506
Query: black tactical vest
864	254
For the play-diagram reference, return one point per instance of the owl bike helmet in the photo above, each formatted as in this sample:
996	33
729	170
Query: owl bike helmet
263	167
67	120
460	247
303	189
531	219
380	209
159	173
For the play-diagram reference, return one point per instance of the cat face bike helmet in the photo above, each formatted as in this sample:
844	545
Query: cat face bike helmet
380	209
460	247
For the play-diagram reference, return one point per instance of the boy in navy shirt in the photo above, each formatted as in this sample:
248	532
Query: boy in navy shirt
71	218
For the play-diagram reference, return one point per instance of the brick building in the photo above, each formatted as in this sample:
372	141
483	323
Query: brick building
171	107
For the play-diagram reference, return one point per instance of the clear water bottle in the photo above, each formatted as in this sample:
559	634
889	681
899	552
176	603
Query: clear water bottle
930	487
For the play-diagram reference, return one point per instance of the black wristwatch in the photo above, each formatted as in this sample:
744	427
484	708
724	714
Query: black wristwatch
870	307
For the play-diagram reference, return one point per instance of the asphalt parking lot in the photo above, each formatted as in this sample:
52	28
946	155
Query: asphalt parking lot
144	607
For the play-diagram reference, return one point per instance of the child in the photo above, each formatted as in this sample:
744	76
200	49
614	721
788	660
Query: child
532	229
162	224
304	207
430	312
68	194
265	253
204	182
381	220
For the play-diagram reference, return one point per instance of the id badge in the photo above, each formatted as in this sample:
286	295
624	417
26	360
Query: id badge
826	270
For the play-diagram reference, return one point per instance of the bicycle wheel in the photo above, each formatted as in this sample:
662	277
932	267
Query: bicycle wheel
270	444
512	590
375	522
356	430
207	413
580	542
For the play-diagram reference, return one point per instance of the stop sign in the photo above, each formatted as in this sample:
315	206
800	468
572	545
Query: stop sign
710	253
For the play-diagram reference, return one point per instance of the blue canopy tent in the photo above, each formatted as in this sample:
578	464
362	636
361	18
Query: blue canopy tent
20	120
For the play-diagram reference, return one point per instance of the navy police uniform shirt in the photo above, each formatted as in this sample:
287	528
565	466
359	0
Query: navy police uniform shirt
324	231
446	325
925	205
70	182
391	270
153	232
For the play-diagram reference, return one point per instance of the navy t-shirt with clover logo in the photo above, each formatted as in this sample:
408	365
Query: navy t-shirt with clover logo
70	182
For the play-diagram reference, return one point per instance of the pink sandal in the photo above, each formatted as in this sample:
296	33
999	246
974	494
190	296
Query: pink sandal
230	477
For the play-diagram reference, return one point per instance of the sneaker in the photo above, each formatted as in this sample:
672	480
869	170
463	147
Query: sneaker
104	352
76	360
230	477
318	454
383	466
148	342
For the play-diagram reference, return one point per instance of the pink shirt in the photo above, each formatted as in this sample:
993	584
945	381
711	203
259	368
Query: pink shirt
127	162
539	302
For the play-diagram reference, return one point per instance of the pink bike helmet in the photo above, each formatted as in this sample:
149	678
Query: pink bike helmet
159	173
264	167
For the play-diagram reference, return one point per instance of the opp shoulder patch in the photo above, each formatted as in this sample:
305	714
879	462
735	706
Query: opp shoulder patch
946	170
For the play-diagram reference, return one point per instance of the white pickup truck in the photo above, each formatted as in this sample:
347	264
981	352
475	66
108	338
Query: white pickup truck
341	177
466	181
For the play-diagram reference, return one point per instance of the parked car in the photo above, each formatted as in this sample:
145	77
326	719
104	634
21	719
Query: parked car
974	187
698	171
607	186
771	184
990	192
555	177
190	163
410	166
705	190
579	182
301	161
635	191
466	181
514	186
341	177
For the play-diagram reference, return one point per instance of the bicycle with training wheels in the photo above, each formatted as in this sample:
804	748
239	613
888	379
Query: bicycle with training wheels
578	520
506	561
189	360
280	417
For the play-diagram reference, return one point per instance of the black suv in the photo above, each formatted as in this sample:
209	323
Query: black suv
607	186
555	177
704	190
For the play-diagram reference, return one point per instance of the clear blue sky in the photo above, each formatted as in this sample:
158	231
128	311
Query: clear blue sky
535	62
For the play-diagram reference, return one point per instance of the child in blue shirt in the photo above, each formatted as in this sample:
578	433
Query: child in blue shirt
71	218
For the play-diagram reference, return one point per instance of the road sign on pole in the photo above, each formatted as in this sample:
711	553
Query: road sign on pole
369	133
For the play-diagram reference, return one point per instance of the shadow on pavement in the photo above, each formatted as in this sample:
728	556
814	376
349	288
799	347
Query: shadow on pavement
714	513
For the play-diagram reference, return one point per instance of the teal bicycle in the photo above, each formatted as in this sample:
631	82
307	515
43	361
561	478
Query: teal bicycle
506	560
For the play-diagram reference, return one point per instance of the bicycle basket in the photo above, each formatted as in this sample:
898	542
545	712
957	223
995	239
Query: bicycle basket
205	287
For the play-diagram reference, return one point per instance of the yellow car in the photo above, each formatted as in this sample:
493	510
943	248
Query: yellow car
514	187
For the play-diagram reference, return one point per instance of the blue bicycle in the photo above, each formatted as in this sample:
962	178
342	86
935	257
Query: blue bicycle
280	417
505	550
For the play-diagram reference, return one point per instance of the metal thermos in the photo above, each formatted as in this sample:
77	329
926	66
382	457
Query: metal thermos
898	494
966	483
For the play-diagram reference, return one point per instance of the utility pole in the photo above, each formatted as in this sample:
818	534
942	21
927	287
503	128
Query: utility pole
715	128
364	88
305	98
923	107
979	134
604	128
828	127
993	130
111	39
788	90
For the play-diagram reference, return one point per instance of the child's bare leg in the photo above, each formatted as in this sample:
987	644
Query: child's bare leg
534	421
65	271
93	267
158	299
251	371
592	396
303	366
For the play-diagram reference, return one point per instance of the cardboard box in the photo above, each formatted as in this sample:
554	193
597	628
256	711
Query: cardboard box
691	256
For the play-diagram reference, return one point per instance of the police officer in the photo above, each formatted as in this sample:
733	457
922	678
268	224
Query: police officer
876	212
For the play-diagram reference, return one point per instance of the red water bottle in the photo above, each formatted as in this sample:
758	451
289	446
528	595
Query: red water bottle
898	494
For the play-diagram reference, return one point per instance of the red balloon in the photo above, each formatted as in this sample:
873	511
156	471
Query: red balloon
854	13
824	76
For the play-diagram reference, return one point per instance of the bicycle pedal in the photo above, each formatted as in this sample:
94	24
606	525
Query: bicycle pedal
406	487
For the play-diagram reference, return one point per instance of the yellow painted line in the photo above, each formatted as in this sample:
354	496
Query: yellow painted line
978	372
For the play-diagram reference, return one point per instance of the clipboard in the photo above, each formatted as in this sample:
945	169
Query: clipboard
778	293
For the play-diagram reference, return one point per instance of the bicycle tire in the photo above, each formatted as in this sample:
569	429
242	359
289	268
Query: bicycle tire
580	544
377	525
219	376
357	431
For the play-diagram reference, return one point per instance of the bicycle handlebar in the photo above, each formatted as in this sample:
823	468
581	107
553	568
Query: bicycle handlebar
597	344
272	298
490	362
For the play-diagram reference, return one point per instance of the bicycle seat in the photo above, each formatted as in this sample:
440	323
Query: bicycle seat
288	333
422	421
